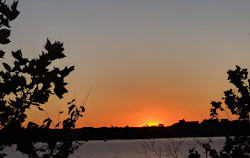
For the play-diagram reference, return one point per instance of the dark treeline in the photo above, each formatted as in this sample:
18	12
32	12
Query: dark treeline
208	128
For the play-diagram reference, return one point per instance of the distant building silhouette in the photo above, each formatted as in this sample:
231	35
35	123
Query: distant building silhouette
161	125
183	123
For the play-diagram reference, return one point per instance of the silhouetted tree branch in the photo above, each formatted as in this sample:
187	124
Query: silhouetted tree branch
30	82
172	149
238	102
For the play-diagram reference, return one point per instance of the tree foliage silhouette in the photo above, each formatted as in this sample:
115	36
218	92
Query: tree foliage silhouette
7	14
238	102
30	82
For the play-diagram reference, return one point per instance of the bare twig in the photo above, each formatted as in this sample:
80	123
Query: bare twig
84	100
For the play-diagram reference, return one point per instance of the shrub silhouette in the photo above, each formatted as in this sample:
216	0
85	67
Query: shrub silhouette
238	102
30	82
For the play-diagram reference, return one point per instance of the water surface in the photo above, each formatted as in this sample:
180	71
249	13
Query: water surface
135	148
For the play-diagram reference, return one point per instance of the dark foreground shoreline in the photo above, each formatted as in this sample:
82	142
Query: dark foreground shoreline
89	133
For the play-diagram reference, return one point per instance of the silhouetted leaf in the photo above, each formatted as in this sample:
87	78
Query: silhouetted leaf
60	90
82	108
71	108
14	12
1	53
77	112
46	120
237	67
72	114
7	67
4	33
5	22
48	44
17	55
71	101
14	5
55	51
41	109
57	124
4	41
66	71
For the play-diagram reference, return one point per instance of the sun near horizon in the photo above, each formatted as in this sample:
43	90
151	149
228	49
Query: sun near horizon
152	123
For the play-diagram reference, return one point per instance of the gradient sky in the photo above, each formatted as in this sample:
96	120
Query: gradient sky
147	60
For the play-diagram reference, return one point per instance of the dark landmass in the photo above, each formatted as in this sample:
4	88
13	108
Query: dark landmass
207	128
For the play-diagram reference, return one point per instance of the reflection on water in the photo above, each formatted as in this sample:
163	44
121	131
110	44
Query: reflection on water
133	148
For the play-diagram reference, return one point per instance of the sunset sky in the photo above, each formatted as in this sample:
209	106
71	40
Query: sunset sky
146	61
